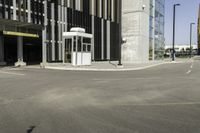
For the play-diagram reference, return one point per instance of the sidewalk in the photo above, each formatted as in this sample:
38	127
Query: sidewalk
103	66
106	66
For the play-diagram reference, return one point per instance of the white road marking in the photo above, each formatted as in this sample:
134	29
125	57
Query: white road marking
163	104
12	73
119	79
189	71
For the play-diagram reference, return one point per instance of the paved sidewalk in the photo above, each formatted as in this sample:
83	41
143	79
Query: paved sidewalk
108	66
103	66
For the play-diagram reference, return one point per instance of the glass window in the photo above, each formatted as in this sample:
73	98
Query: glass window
88	48
84	47
79	44
157	23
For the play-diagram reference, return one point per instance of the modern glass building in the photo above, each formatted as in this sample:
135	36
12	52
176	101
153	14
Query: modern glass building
31	30
156	28
21	24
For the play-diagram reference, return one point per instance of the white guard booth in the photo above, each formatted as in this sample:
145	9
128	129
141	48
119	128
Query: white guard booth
77	47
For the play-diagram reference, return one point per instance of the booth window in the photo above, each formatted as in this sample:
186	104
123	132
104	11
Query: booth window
84	47
88	48
79	44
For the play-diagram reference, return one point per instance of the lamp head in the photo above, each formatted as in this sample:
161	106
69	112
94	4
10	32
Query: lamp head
177	4
143	7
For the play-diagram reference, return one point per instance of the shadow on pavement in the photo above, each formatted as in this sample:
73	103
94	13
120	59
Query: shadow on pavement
30	130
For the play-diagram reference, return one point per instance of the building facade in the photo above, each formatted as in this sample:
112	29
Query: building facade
135	30
21	23
143	30
41	23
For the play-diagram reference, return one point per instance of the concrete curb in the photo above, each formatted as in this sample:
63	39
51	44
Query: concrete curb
108	70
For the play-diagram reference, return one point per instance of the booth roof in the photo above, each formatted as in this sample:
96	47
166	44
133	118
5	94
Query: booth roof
73	34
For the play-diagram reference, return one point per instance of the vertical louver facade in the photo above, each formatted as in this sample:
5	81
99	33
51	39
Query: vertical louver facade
50	18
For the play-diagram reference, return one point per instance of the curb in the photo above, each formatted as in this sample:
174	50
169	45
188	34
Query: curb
108	70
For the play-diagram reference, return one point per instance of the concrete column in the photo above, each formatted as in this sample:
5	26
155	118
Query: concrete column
102	39
112	10
92	4
100	9
53	30
44	36
65	15
44	47
20	61
14	10
2	51
29	10
106	9
92	41
78	7
63	48
108	40
60	32
68	3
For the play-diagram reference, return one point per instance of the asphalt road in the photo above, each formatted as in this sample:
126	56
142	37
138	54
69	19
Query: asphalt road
162	99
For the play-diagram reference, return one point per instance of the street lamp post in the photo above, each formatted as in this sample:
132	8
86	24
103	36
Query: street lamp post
174	27
191	39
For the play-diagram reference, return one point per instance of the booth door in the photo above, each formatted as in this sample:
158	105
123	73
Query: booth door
68	50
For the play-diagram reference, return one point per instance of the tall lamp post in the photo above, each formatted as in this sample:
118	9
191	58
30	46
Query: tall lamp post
174	27
120	32
191	39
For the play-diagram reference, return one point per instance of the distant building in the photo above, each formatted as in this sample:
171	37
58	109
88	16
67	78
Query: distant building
181	50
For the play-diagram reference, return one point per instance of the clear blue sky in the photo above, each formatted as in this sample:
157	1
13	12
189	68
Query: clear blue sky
185	14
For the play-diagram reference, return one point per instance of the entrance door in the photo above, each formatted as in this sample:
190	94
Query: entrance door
68	50
10	49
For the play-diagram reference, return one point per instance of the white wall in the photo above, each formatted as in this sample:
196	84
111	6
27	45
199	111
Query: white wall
135	29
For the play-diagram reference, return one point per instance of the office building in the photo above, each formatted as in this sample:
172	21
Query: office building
21	26
31	30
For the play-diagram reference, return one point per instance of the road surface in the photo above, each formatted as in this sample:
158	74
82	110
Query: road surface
162	99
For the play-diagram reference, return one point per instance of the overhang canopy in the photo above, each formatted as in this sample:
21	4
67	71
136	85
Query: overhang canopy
11	33
14	23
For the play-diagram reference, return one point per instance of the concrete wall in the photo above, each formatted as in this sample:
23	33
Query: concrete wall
135	29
